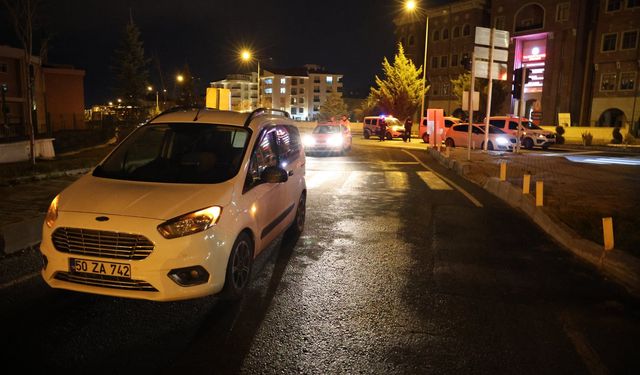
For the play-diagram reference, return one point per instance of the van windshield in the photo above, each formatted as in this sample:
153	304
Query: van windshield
178	153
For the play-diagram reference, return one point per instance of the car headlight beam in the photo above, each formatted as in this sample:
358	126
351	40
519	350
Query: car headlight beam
335	140
190	223
502	141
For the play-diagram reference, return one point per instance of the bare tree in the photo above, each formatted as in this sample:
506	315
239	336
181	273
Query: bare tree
23	15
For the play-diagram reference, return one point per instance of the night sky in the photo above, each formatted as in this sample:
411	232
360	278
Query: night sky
345	36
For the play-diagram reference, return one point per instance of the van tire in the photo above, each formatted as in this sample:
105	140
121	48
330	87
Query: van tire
366	134
425	138
449	142
238	272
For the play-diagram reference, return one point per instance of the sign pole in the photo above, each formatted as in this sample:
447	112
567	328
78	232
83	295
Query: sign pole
523	72
489	89
471	88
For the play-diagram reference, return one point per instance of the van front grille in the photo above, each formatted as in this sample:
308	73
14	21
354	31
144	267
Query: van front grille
114	282
103	244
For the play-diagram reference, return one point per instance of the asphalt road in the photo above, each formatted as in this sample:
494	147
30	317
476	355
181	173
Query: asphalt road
403	268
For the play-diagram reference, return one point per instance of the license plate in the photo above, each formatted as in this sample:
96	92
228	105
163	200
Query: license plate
100	268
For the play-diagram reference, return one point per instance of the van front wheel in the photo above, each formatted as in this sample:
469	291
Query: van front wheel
239	265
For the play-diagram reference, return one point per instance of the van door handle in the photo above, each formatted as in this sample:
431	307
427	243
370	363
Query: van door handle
290	173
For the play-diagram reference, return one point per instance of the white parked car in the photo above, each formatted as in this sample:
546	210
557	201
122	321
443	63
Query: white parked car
530	134
180	208
458	135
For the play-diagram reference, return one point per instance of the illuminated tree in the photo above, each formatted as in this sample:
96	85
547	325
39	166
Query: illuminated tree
400	92
334	107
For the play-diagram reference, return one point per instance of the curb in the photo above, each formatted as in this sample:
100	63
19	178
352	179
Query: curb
618	265
44	176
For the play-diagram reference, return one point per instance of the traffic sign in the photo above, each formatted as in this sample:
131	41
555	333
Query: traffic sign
501	55
498	70
500	37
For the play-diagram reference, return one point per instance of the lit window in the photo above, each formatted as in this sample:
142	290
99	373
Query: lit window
609	42
268	81
283	81
329	79
283	90
629	40
608	82
627	81
562	12
268	90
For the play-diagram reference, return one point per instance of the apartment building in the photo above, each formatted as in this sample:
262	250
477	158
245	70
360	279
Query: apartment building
583	55
300	91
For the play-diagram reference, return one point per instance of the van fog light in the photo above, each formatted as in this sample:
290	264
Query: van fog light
189	276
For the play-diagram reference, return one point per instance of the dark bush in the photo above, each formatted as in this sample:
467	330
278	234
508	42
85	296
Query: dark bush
559	133
617	136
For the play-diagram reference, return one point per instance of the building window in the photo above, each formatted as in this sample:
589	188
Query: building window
283	90
608	82
629	39
456	31
613	5
501	23
436	35
445	34
627	81
434	62
454	60
329	79
562	12
316	88
445	89
609	42
402	41
301	100
283	81
300	110
294	91
268	90
436	89
293	111
293	100
444	61
294	81
4	67
466	30
411	40
301	90
316	108
316	98
633	3
268	81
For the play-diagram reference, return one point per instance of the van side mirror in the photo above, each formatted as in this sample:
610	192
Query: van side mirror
274	175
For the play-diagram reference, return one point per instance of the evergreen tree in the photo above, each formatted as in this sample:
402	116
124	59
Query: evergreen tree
400	93
130	67
334	107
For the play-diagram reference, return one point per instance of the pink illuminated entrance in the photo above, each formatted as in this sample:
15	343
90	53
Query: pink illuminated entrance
531	52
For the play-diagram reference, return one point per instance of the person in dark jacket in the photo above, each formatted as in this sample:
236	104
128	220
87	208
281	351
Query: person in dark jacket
408	123
383	130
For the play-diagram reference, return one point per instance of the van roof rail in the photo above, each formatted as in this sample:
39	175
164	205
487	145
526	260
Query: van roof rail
264	111
176	108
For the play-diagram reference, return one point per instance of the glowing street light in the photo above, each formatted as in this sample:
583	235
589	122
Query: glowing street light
411	7
180	78
247	56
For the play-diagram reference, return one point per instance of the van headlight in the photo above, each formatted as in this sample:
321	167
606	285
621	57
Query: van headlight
502	141
190	223
52	212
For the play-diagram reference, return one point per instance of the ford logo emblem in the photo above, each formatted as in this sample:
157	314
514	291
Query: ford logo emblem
102	218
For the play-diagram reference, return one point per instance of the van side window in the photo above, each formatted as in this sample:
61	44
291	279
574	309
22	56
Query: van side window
513	125
367	121
288	143
498	123
263	156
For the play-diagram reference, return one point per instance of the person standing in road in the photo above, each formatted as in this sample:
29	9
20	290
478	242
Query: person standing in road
383	129
345	121
408	123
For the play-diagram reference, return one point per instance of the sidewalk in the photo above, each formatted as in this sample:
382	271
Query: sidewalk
576	196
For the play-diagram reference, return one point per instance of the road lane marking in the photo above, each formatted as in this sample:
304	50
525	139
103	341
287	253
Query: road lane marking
433	181
460	189
318	178
396	180
355	181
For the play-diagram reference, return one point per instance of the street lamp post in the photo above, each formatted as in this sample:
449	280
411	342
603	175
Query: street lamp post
247	56
411	7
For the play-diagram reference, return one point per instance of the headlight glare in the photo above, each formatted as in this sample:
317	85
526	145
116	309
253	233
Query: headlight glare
308	140
335	140
52	212
190	223
502	141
